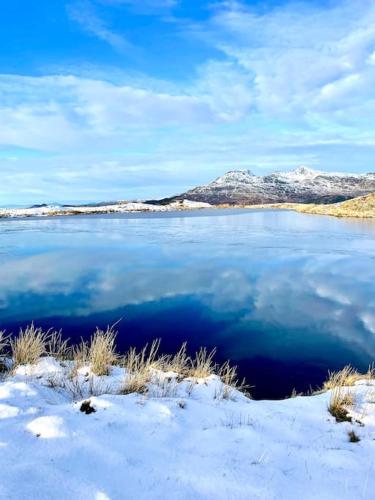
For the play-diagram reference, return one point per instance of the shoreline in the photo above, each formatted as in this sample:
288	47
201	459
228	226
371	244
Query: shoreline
121	207
314	209
358	208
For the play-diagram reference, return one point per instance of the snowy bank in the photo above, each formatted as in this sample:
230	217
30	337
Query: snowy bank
179	440
120	207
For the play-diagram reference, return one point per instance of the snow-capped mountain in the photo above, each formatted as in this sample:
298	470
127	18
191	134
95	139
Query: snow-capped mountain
302	185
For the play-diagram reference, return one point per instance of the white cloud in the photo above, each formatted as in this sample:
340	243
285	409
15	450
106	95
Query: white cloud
227	88
368	319
50	113
304	60
83	12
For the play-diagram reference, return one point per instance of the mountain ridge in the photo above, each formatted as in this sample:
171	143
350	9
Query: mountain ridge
302	185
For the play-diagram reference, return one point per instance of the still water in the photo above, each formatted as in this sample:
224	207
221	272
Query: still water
285	296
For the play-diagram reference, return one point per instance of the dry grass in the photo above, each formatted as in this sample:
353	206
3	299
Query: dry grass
80	354
295	394
163	387
362	206
4	343
102	352
341	396
139	366
228	375
29	346
340	401
4	347
57	347
202	365
348	376
180	363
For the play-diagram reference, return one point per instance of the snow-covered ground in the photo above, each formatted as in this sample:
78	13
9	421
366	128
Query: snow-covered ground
181	441
121	207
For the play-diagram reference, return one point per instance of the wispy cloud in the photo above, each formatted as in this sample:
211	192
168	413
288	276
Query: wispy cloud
83	12
306	62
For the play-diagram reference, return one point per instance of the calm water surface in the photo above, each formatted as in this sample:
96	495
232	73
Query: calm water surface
286	296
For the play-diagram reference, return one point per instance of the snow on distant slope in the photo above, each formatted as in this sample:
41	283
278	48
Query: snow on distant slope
181	442
302	185
301	174
121	207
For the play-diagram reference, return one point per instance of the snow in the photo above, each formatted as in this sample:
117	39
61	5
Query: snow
47	427
182	442
235	176
301	174
187	204
121	207
303	185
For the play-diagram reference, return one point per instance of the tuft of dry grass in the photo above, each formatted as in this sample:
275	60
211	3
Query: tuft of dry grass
341	398
139	366
4	346
57	347
80	355
348	376
4	343
29	346
294	394
202	365
102	352
228	375
180	363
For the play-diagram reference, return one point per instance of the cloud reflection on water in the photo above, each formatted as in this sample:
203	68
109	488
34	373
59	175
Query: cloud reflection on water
278	284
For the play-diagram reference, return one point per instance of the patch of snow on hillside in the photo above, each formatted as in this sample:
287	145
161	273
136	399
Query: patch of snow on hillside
124	207
300	174
234	177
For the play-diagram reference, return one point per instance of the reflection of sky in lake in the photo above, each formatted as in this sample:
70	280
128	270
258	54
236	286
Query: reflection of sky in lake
285	295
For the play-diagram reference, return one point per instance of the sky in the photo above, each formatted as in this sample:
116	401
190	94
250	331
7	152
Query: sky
134	99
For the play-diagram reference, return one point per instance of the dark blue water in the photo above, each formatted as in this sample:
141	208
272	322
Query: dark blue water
286	296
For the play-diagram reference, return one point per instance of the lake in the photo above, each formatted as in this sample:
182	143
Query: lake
285	296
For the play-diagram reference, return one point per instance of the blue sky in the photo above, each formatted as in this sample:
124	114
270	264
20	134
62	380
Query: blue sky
124	99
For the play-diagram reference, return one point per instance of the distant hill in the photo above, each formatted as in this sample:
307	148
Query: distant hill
303	185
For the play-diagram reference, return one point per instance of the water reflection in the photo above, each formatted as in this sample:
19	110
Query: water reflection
279	293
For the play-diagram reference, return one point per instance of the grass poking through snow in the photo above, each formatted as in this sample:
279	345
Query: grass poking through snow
58	347
142	367
228	375
138	367
102	352
4	347
203	365
340	402
29	346
348	376
342	398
